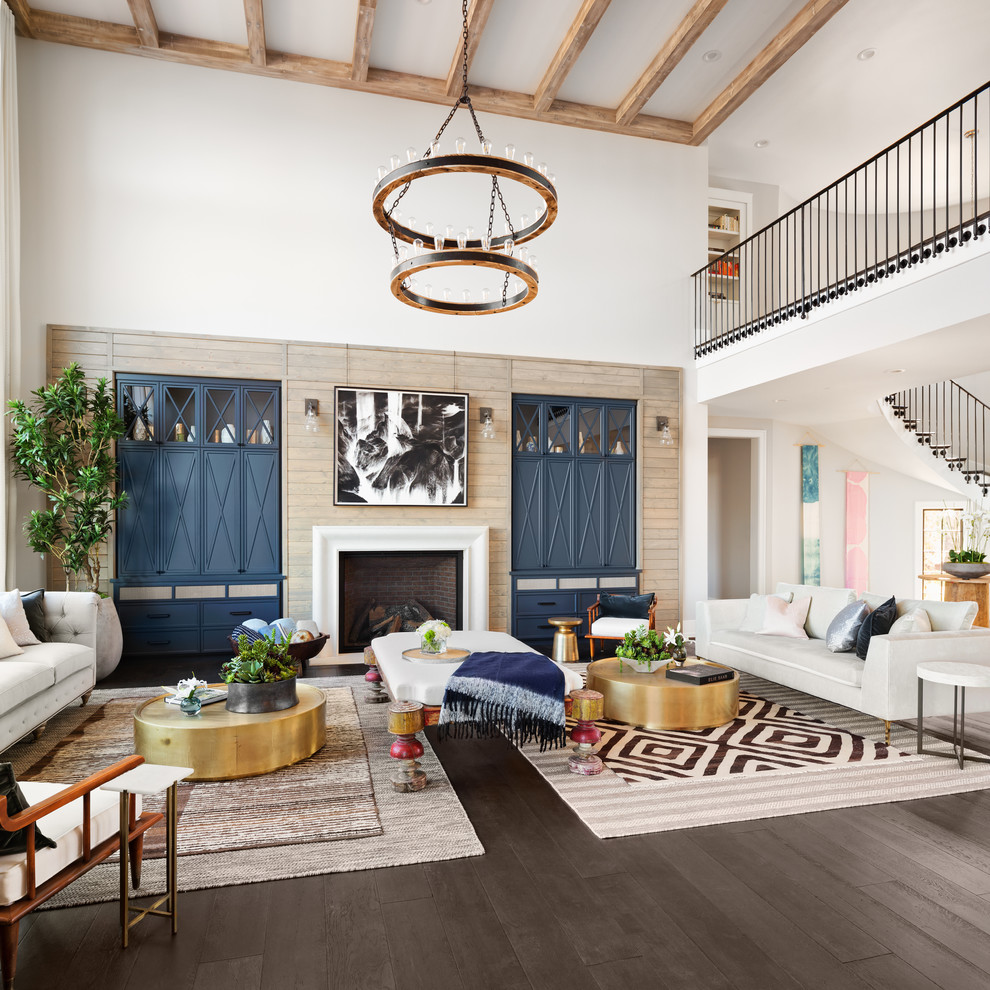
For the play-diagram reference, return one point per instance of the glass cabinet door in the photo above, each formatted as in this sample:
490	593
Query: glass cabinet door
137	410
179	404
260	417
220	414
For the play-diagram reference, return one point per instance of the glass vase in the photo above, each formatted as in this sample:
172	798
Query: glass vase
434	645
190	706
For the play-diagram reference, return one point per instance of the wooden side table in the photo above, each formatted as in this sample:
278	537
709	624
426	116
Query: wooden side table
965	590
565	642
960	676
149	778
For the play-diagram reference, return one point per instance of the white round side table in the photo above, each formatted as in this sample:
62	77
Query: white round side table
960	676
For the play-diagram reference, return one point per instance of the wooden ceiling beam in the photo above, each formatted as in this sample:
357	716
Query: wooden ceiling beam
144	21
678	44
477	18
22	17
254	18
362	39
571	47
87	33
805	25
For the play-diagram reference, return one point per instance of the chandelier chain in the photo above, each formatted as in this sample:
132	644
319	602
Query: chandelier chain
464	59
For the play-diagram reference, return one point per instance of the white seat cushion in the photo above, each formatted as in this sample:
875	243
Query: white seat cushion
809	655
20	680
64	826
425	682
63	659
615	627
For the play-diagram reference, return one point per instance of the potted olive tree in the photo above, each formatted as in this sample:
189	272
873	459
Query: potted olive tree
63	444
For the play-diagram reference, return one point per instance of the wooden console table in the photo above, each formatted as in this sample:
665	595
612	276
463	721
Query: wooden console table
965	590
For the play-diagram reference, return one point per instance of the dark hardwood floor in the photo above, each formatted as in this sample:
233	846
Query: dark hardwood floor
890	897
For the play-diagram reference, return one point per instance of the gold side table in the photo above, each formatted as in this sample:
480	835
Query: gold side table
654	702
565	641
224	745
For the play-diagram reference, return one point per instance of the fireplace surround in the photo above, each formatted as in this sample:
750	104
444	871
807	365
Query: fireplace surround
330	541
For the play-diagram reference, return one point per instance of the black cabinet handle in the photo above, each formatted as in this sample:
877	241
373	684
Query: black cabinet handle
544	627
548	604
246	611
159	615
164	642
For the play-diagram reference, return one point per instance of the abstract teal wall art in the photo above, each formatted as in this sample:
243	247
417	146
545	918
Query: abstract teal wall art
811	518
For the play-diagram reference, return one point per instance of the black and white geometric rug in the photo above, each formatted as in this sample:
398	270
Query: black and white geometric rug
809	755
765	737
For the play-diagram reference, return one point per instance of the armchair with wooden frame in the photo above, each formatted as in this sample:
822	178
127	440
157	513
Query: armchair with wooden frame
615	627
87	833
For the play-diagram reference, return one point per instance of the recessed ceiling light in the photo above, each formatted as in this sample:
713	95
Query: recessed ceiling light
866	54
762	143
895	371
780	400
711	56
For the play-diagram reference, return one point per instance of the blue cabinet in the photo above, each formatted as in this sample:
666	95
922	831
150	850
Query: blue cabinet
573	507
200	462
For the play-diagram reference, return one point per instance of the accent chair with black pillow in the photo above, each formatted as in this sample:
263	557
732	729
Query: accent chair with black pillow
612	616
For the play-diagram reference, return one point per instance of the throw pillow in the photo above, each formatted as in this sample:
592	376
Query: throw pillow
783	619
34	609
626	606
8	647
914	620
843	630
877	623
756	609
12	610
16	842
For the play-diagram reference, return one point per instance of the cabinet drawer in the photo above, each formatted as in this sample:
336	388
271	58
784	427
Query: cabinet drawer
216	639
533	628
161	641
546	603
151	615
233	611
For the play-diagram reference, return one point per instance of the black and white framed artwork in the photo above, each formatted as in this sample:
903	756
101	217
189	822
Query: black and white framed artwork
400	447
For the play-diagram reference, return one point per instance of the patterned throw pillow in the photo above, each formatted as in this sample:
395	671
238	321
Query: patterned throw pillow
783	619
12	610
843	630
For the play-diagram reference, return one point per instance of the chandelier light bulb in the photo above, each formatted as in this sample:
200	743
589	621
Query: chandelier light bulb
412	222
523	222
510	151
528	159
446	294
417	246
410	154
429	228
532	262
438	243
551	178
382	172
486	147
403	253
507	247
397	216
485	294
435	148
542	169
428	289
470	233
461	240
466	295
448	232
486	242
461	145
395	161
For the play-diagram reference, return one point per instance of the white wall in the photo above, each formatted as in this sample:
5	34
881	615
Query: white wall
166	197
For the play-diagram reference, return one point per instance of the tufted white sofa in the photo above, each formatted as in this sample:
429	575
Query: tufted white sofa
885	685
45	678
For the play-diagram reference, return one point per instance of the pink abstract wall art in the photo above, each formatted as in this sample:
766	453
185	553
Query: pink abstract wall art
857	530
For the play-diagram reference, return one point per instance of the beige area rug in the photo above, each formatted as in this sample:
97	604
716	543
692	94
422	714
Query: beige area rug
612	806
374	825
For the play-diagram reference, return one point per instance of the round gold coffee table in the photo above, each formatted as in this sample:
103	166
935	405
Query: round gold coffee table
653	701
222	745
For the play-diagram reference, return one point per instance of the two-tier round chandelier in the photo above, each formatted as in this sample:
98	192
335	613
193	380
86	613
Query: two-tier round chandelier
440	248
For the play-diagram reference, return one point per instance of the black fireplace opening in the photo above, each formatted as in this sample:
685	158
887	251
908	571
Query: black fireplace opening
395	591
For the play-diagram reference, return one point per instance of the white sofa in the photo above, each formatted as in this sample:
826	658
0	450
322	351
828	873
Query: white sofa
41	681
885	685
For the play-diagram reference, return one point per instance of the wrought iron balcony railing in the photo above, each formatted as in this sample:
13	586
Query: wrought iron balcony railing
922	196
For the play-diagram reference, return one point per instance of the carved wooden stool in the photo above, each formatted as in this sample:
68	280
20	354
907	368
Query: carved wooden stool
587	707
376	693
405	719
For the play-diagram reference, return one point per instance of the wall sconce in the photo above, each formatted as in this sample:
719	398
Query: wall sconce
487	423
312	415
663	428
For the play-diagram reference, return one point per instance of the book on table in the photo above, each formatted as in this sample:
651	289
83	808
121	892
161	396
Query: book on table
207	696
700	673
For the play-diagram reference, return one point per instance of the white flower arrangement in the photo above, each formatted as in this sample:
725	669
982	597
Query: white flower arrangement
673	641
970	535
438	627
188	687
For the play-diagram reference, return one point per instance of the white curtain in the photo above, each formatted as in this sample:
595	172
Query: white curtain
10	279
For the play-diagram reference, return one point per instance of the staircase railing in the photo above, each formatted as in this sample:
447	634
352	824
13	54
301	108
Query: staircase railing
951	423
916	199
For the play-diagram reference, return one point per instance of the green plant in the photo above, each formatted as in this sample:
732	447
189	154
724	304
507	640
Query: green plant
261	662
63	445
642	645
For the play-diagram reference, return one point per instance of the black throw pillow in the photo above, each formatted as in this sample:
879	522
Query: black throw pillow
34	609
877	623
16	842
626	606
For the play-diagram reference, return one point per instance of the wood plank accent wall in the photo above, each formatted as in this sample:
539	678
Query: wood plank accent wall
311	370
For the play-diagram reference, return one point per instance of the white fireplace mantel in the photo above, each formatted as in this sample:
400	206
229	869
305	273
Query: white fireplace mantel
330	541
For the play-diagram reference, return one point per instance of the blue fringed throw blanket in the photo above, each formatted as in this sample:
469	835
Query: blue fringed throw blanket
520	695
